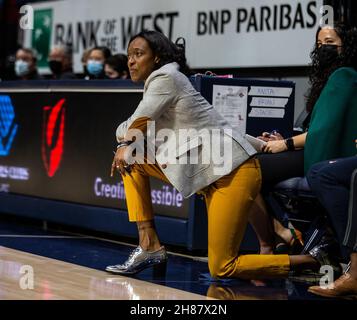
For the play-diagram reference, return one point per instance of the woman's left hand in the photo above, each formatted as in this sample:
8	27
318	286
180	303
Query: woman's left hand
275	146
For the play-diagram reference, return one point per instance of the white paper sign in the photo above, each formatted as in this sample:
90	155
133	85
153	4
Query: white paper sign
231	103
270	91
267	113
269	102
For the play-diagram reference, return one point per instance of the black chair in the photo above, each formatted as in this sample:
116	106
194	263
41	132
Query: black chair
294	205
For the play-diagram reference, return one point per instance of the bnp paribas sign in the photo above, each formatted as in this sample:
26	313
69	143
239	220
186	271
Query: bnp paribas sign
41	35
218	34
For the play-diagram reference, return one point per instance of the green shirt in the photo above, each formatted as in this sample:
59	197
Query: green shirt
333	126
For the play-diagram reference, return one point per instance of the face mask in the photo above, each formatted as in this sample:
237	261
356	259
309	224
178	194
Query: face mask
21	68
55	66
327	54
94	67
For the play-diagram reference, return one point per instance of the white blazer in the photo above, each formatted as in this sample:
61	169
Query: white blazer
189	164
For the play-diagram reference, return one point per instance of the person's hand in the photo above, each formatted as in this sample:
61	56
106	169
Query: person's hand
275	146
119	162
266	136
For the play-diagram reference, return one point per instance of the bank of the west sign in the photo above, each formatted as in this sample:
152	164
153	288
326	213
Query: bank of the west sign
226	33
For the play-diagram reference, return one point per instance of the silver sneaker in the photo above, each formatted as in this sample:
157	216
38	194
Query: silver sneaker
139	260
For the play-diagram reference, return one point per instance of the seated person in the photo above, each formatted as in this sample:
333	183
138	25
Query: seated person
25	65
84	60
116	67
331	103
95	62
331	180
60	63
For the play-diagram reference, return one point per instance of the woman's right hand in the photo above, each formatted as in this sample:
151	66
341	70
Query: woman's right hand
266	136
119	162
275	146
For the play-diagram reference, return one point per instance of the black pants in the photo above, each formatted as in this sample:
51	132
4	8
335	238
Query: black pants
331	182
277	167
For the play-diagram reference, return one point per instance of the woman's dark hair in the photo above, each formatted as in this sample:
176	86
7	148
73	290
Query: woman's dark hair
165	49
105	50
119	62
347	58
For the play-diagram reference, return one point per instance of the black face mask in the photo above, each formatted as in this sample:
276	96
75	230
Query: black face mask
327	54
55	66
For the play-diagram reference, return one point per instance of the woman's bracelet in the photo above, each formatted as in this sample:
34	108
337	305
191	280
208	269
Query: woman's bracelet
290	144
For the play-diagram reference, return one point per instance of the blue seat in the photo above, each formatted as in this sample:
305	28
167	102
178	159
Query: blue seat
296	184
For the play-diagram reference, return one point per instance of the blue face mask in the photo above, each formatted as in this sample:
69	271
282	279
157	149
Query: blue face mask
94	67
21	68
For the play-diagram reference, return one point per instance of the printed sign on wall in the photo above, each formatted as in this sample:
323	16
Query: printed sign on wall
219	34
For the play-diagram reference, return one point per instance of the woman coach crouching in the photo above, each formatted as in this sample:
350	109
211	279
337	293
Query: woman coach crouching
170	100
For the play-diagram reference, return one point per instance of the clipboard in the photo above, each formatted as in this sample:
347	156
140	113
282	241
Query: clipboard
255	142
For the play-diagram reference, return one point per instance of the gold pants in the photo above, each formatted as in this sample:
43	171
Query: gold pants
228	201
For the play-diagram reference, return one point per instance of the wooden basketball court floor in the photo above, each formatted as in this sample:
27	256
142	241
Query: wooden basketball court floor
38	264
55	279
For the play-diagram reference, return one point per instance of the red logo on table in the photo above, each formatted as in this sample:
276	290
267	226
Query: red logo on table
53	137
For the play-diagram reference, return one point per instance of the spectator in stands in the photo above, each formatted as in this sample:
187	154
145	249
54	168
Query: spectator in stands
25	65
171	101
60	63
84	61
331	182
95	62
116	67
331	102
